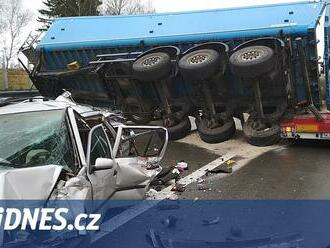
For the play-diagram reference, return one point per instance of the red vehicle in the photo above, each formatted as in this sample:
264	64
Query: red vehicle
306	126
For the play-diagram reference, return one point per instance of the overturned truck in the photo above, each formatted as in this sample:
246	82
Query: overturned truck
259	64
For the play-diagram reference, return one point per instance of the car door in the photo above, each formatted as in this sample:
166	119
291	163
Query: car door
138	152
103	179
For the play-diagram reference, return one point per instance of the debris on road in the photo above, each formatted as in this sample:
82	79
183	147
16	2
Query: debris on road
211	222
230	162
179	188
182	166
201	184
167	175
224	168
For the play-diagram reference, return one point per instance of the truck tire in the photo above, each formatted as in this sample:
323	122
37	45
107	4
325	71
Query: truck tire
261	137
180	130
216	135
251	62
134	105
200	65
152	67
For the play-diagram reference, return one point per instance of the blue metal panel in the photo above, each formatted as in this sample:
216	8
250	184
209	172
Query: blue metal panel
223	24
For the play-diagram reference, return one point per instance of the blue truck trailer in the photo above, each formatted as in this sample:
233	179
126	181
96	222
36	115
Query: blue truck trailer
214	65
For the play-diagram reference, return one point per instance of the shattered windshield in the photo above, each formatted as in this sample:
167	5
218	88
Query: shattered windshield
35	139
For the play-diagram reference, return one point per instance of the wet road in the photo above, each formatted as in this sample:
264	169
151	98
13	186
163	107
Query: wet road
296	171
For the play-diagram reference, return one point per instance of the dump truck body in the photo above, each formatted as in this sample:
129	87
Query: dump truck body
82	39
72	50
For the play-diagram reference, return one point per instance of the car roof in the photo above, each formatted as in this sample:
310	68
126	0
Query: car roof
41	104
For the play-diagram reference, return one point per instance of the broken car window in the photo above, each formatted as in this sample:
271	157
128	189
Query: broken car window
141	142
35	139
100	147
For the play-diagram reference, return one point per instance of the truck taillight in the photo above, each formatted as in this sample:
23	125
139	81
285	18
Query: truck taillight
288	129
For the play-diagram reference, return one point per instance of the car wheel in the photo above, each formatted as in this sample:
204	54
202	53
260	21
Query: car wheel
259	134
152	67
252	61
218	134
200	64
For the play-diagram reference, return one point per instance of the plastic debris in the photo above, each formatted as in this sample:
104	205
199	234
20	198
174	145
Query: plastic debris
173	174
230	162
211	222
182	166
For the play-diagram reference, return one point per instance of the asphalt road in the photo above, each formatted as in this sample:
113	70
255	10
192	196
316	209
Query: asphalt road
294	171
298	171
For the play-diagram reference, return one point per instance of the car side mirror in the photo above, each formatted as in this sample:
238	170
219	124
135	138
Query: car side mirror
103	164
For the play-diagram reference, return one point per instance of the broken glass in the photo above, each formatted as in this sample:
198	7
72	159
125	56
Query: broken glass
35	139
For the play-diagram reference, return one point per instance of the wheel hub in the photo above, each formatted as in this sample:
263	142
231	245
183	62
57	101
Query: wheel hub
151	61
197	59
251	55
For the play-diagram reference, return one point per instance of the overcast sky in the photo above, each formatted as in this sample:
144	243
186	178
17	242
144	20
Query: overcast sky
182	5
178	5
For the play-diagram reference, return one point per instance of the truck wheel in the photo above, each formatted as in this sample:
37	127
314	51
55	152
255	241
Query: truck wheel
152	67
216	135
252	61
134	107
200	64
258	134
180	130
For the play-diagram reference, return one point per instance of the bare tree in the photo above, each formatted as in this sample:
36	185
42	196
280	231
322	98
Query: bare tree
15	19
2	25
127	7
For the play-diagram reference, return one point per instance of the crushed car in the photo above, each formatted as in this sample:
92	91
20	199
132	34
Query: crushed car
57	149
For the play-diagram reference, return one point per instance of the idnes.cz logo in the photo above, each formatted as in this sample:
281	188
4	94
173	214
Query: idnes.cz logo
46	219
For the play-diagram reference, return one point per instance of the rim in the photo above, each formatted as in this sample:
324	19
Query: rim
251	55
151	61
198	59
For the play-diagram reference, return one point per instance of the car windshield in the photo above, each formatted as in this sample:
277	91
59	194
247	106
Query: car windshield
35	139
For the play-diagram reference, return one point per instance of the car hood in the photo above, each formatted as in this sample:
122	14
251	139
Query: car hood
34	183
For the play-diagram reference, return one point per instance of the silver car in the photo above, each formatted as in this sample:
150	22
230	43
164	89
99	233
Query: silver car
56	149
